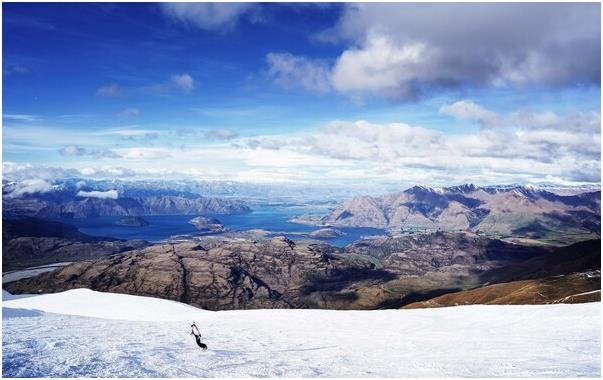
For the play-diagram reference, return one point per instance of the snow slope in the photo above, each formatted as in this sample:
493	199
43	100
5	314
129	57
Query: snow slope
86	333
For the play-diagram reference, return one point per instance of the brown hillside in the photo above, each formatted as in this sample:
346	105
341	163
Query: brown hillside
573	288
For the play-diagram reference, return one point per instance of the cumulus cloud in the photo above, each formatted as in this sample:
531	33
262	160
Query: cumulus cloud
109	194
72	150
510	148
525	119
19	172
290	71
30	186
110	90
75	150
184	81
397	50
468	110
13	171
380	66
208	16
221	134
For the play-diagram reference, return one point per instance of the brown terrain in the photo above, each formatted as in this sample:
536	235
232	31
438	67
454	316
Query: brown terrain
223	273
274	273
573	288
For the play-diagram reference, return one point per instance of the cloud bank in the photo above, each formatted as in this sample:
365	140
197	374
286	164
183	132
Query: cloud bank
521	146
109	194
30	186
208	16
399	50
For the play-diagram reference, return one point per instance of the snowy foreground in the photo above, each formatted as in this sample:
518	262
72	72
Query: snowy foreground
86	333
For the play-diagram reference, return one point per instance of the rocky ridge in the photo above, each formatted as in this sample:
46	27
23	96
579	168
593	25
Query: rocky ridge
223	273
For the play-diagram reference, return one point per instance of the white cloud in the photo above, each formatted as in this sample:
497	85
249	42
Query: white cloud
110	90
521	146
208	16
511	153
380	66
184	82
221	134
398	50
74	150
30	186
290	71
109	194
526	120
468	110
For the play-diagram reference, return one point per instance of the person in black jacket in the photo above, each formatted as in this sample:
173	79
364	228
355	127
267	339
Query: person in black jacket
197	334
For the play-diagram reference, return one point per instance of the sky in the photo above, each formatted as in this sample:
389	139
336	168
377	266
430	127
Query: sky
346	93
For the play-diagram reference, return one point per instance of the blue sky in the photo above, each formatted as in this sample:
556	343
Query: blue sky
342	93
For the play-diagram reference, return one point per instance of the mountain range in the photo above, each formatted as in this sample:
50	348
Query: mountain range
519	211
87	203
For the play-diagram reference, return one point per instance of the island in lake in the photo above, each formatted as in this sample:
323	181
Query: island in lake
207	225
132	221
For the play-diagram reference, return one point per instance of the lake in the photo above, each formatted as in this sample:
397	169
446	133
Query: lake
273	218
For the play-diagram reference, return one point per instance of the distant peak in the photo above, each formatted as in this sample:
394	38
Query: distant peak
464	188
423	188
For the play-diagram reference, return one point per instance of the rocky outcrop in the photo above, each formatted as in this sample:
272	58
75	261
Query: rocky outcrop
417	254
275	273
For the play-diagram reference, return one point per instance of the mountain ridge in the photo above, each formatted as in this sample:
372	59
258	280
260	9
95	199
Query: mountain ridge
524	211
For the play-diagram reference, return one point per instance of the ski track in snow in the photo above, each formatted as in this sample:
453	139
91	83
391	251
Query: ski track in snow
85	333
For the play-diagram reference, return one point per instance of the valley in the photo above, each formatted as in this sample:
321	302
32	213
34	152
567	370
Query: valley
459	245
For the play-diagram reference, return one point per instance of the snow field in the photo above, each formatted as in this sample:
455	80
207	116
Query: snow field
86	333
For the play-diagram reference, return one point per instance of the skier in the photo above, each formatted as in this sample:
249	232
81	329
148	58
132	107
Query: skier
197	334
